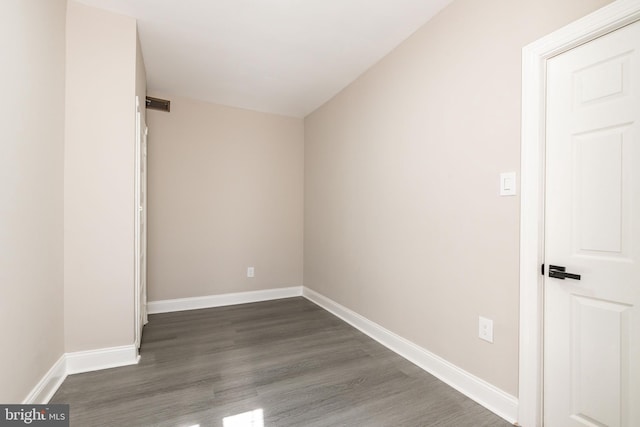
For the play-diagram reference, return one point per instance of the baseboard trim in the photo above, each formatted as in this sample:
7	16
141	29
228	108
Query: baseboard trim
79	362
48	384
487	395
195	303
103	358
113	357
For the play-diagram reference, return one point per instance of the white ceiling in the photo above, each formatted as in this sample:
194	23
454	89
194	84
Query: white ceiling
280	56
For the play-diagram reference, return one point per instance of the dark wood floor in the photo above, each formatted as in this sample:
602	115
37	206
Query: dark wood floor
289	360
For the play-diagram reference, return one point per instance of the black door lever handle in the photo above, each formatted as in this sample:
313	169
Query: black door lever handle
558	272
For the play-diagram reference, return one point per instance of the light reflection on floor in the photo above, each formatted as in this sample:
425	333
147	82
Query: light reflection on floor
246	419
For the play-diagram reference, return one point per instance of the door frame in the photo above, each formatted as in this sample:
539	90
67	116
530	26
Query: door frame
144	158
137	243
534	59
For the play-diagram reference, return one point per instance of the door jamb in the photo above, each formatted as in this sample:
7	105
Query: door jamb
136	222
534	58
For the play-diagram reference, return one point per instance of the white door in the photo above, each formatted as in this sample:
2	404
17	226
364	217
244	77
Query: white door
592	229
140	225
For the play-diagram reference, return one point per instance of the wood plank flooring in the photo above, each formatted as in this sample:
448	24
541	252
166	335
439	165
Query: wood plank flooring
290	361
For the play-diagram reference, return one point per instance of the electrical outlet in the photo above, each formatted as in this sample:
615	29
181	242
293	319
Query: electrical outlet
485	329
251	272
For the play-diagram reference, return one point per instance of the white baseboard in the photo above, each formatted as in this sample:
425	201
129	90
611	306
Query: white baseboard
103	358
487	395
49	384
76	363
181	304
113	357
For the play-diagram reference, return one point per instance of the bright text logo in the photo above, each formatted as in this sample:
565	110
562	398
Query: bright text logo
34	415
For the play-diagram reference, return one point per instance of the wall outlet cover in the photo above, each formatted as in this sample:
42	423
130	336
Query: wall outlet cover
485	329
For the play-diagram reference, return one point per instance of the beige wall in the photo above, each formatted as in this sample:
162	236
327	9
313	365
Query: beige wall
31	161
403	223
99	178
225	193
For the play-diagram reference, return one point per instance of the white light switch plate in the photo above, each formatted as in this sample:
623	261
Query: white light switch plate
508	184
